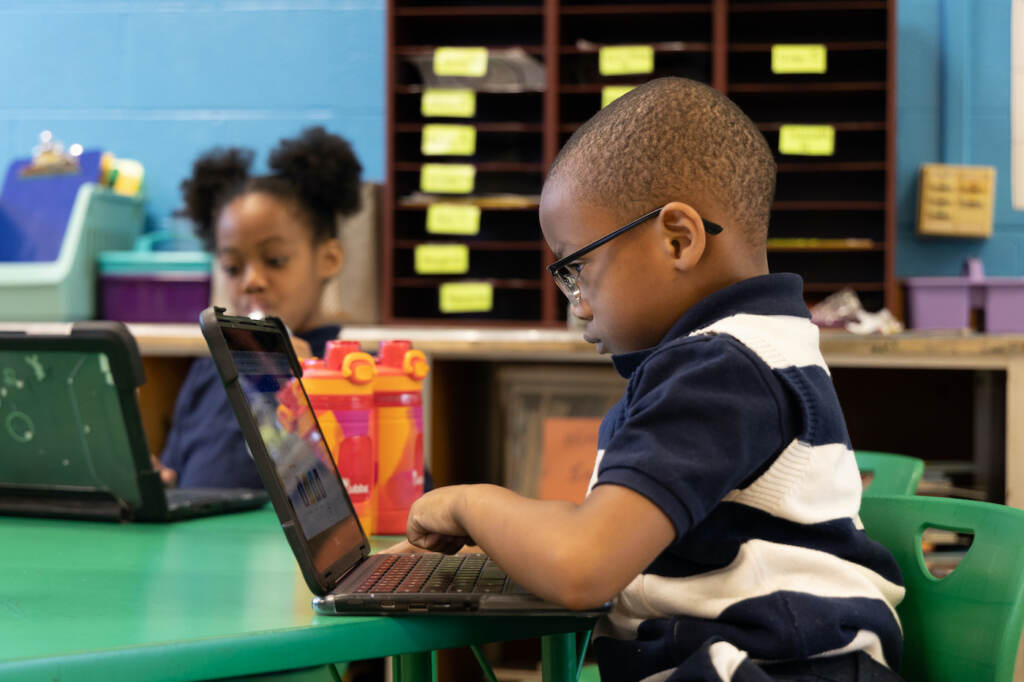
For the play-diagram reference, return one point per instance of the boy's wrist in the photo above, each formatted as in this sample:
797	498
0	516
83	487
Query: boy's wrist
464	503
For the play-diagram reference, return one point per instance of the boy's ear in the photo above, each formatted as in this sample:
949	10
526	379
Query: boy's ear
329	259
683	236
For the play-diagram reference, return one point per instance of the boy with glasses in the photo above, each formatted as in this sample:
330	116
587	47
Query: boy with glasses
722	512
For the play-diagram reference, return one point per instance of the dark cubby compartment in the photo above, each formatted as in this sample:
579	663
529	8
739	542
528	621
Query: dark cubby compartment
487	182
483	263
834	224
635	27
421	302
522	107
840	104
835	186
842	65
830	266
511	146
495	225
768	22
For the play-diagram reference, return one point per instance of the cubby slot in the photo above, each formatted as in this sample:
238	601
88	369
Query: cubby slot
525	107
507	225
483	263
757	23
509	304
490	146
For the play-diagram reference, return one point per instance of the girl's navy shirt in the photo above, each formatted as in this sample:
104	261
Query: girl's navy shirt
205	445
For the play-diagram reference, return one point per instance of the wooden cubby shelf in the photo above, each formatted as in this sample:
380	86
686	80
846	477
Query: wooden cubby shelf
431	282
629	8
833	219
494	10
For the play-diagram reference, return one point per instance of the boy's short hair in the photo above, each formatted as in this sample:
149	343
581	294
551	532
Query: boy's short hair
673	139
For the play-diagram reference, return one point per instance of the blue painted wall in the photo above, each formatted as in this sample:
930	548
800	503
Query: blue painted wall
161	81
954	106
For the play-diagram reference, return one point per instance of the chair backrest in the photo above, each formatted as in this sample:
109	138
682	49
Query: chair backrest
967	625
891	474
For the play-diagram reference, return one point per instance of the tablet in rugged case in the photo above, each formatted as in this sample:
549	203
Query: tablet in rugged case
263	379
71	436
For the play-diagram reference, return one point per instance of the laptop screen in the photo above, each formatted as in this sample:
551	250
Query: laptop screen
289	431
61	422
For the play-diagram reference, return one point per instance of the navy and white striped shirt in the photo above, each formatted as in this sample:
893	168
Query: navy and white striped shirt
731	426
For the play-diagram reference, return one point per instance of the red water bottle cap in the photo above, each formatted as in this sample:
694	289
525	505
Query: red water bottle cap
334	354
392	353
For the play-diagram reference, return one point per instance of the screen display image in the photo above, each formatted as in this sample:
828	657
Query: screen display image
62	423
303	465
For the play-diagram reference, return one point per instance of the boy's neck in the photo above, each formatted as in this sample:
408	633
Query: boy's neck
731	266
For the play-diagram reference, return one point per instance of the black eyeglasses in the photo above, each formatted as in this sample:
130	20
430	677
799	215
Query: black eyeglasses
566	280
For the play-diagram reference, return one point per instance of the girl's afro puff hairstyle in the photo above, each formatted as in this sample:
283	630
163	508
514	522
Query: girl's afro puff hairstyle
317	172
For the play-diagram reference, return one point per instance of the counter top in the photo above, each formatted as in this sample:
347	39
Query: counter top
924	349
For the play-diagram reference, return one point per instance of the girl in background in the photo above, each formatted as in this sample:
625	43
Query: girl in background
275	240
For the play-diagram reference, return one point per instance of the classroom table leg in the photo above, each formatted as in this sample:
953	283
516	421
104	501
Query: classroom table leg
558	657
418	667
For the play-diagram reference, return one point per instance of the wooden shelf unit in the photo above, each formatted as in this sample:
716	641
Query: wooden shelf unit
849	195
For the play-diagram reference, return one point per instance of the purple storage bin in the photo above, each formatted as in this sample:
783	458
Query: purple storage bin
939	302
157	297
946	302
151	285
1004	305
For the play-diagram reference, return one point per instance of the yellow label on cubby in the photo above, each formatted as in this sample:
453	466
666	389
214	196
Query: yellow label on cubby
460	61
448	139
462	219
447	178
807	140
441	259
448	103
799	59
620	60
465	297
610	93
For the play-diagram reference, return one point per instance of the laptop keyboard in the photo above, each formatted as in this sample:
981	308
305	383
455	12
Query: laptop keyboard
433	573
178	497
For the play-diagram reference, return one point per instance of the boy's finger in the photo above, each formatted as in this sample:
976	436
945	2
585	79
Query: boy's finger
425	540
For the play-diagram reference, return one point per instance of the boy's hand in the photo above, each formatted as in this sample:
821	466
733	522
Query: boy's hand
406	547
434	523
403	547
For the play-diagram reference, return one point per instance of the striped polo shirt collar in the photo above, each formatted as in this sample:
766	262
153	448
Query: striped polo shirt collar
774	294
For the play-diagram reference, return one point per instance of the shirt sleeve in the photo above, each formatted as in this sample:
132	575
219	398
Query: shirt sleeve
205	444
700	417
174	454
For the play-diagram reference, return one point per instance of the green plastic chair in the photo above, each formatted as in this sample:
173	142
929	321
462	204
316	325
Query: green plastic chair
967	625
891	474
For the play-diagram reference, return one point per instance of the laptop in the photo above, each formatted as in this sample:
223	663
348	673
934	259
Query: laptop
71	438
262	376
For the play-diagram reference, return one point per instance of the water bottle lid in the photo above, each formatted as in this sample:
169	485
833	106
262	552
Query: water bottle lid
392	353
335	352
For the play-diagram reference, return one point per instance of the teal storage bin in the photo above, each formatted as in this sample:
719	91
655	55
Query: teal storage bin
64	288
148	285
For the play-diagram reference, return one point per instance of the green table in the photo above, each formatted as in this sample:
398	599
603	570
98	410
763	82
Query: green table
207	598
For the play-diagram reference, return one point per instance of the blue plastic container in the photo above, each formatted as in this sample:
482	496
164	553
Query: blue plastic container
51	228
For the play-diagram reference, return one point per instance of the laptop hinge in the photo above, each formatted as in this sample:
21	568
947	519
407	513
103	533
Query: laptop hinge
77	503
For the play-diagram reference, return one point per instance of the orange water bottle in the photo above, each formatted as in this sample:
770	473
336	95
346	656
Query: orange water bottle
340	387
398	395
